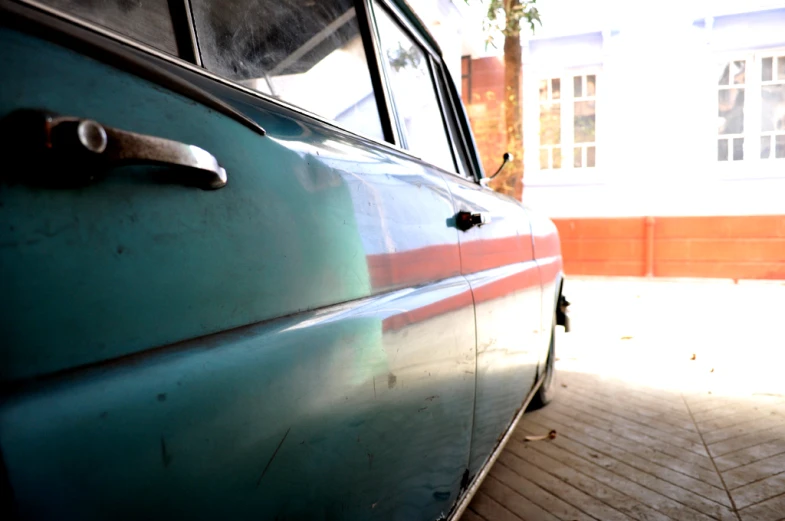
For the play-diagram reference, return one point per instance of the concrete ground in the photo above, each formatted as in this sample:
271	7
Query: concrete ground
670	404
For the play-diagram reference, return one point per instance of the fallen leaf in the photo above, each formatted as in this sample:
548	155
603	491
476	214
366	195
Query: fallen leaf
551	435
626	338
712	370
564	385
693	357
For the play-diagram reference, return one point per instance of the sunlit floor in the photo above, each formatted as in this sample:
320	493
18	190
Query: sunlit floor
670	405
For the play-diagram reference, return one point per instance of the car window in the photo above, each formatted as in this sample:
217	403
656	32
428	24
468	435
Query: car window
307	53
414	94
149	22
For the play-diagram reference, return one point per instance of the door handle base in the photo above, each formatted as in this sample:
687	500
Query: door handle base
465	220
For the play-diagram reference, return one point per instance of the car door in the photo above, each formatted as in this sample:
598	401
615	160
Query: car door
220	297
498	260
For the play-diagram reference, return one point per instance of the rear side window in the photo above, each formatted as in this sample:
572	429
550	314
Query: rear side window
413	93
147	21
305	52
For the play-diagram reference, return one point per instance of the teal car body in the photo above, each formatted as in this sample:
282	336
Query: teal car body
320	338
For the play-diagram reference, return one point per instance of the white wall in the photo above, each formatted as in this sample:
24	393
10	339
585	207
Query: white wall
656	115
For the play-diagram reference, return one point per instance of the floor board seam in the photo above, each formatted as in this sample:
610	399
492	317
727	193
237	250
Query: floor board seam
711	458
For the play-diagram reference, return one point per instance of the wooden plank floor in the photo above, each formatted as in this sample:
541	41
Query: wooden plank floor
664	449
624	453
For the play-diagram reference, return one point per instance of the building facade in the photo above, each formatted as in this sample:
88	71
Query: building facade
655	140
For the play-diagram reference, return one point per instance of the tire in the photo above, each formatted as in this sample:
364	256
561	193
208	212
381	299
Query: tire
546	391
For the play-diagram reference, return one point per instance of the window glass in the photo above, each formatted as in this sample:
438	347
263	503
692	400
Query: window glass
577	89
149	22
584	121
766	69
556	88
773	108
414	94
590	159
307	53
591	88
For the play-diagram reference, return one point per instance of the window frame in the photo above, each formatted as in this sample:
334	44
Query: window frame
567	175
33	9
752	166
182	27
454	134
117	51
439	79
189	58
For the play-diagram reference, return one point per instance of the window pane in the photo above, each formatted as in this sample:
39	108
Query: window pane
149	21
590	151
724	74
550	124
738	72
781	68
543	90
738	148
731	111
765	147
780	147
577	84
584	121
722	150
766	66
310	55
591	80
555	88
556	156
543	159
772	111
413	94
577	159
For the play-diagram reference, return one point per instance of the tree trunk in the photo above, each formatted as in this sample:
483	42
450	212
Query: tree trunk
510	180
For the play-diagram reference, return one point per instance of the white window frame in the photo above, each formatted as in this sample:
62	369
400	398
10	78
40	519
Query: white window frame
567	174
752	166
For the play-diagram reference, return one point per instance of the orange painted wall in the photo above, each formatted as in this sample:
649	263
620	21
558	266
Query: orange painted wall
736	247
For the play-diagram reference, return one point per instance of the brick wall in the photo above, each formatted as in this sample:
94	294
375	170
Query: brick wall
485	107
736	247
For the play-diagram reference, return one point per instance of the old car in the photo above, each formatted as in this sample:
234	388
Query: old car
251	268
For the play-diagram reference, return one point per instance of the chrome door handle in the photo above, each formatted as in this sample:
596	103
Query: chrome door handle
77	146
466	220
